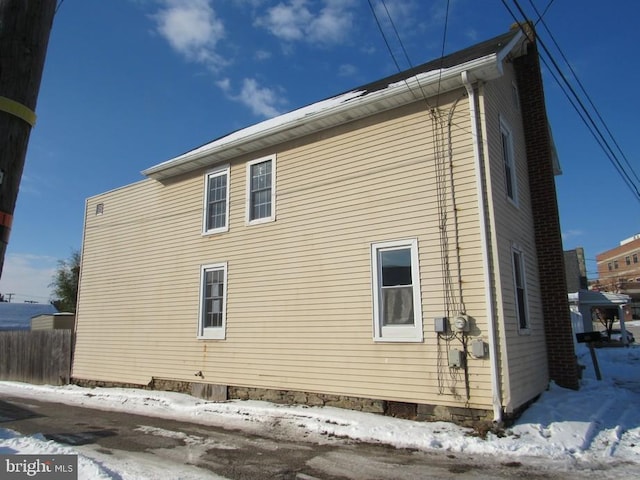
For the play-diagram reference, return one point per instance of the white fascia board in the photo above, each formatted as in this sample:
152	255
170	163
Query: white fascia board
330	113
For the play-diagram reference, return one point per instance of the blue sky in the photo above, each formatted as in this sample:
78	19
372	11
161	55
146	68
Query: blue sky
131	83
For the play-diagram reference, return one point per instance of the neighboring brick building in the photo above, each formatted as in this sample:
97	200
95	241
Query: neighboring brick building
619	271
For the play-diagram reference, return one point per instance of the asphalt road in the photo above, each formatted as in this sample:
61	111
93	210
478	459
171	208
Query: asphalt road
238	455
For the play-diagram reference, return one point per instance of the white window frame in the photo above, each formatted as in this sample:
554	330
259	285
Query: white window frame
396	333
517	255
248	206
508	161
215	333
222	170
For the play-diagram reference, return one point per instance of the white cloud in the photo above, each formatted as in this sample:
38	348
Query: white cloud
347	70
295	21
571	234
192	29
28	276
287	21
401	12
262	55
261	100
224	84
472	34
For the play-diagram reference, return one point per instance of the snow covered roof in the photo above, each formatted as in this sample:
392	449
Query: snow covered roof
593	297
482	61
17	316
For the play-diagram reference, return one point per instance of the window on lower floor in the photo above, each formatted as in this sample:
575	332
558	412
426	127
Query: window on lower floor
397	305
520	285
213	308
261	190
216	201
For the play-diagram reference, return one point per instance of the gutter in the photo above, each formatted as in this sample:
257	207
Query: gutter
489	299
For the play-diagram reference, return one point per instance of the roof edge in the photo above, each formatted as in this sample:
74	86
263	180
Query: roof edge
328	113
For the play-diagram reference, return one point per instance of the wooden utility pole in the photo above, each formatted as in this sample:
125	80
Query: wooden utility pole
24	35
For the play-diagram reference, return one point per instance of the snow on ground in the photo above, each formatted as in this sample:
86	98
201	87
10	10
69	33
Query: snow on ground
599	423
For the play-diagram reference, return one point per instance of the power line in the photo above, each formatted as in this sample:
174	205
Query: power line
544	12
584	91
384	37
444	40
395	30
404	50
580	108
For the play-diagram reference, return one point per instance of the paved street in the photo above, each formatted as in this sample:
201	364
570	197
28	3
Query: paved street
212	451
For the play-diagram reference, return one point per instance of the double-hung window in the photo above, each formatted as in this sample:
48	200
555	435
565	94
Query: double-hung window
520	285
213	302
397	305
511	184
261	189
216	201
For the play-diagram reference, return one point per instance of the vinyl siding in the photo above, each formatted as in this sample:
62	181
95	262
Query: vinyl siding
299	299
523	354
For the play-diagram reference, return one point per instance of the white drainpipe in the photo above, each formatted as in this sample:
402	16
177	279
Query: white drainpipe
489	299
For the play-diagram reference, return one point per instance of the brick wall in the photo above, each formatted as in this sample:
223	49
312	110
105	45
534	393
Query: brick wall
563	368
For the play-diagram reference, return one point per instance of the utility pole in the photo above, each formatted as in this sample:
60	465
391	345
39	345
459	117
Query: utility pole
24	35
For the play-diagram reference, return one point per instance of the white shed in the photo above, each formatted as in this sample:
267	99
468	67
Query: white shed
583	302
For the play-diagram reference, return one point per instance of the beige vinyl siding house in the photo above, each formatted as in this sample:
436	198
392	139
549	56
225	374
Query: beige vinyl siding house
317	253
526	369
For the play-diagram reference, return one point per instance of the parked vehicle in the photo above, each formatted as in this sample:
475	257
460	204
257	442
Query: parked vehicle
616	335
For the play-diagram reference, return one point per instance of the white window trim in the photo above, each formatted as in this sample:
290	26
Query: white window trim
523	270
222	170
214	333
506	130
272	217
397	333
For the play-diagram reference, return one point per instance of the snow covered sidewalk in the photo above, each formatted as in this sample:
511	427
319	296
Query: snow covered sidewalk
598	424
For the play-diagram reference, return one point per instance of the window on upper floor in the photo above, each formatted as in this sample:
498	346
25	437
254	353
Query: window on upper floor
511	184
397	305
213	302
520	284
261	174
635	258
515	96
216	201
627	260
615	264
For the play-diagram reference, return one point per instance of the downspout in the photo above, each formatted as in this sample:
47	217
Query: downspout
489	299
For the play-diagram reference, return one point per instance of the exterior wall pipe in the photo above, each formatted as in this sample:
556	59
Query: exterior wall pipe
489	299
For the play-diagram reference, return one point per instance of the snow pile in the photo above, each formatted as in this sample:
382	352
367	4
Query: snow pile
598	423
12	443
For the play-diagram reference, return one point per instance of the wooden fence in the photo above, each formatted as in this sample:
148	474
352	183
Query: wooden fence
38	357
